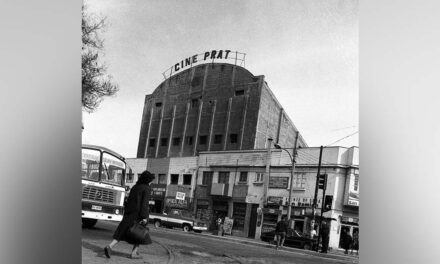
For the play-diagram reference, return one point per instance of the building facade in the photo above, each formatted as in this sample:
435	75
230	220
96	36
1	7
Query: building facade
241	186
212	107
172	176
233	184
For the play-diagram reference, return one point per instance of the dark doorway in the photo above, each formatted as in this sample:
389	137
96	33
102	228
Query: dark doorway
253	221
346	229
157	207
219	209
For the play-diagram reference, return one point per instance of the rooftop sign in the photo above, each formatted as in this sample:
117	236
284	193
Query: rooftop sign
232	57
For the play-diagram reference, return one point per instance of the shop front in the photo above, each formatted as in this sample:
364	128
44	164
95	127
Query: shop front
157	201
349	225
220	209
173	203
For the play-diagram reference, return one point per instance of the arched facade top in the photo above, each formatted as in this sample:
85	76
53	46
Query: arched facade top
238	74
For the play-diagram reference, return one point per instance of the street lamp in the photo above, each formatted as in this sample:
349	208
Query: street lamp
292	158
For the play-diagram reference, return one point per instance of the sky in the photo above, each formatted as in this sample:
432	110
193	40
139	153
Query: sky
306	49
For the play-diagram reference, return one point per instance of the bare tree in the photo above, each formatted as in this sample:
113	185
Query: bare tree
96	83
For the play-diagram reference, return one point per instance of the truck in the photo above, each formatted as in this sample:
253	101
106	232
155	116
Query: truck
177	218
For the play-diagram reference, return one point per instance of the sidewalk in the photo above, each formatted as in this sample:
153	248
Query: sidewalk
338	253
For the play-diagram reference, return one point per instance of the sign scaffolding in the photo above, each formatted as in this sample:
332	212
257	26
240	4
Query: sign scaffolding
233	57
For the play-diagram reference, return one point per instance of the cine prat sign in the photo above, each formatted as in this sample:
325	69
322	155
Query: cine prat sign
208	56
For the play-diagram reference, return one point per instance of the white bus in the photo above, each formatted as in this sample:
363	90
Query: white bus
103	185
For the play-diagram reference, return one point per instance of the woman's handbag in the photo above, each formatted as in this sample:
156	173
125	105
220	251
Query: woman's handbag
139	234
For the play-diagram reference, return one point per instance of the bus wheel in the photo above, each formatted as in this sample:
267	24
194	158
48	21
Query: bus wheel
307	246
88	222
186	228
156	224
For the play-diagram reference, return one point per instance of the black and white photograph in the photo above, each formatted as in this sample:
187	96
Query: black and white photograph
220	131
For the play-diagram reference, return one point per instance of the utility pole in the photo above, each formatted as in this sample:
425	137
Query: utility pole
289	208
322	205
315	199
267	174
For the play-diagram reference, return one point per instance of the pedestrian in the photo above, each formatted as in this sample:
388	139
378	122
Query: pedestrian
135	210
324	233
346	241
281	231
355	244
220	226
313	232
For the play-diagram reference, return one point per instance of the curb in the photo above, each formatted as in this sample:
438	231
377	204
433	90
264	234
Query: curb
267	245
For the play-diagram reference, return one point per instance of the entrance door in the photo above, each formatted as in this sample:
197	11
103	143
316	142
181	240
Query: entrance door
253	221
219	209
344	228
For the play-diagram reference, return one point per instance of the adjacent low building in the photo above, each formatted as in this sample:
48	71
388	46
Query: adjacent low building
252	188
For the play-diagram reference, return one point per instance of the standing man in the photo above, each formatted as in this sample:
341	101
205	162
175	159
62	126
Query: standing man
325	232
355	244
220	226
281	231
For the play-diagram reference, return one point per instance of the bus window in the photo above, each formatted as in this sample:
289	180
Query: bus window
112	170
90	164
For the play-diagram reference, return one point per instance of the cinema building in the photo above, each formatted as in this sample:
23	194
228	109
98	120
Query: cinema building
212	107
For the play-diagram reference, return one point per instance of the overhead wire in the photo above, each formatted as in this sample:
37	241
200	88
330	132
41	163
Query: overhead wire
343	138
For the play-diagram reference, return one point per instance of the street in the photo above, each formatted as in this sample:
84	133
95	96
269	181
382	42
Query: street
176	246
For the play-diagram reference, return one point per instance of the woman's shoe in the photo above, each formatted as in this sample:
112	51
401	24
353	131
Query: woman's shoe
108	252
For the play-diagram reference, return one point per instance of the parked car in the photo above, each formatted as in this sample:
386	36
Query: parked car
178	218
293	239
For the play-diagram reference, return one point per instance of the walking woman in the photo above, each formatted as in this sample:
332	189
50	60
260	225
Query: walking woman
135	210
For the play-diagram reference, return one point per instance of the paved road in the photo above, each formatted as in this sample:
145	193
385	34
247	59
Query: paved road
175	246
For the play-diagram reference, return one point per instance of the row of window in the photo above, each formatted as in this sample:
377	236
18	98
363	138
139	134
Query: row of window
299	180
233	139
195	101
162	178
223	177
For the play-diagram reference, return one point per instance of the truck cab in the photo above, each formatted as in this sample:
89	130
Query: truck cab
179	218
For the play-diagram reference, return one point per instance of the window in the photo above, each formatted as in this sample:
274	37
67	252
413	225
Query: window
176	141
139	175
162	179
239	214
223	177
356	183
189	140
203	140
158	104
243	176
233	138
207	178
152	142
187	179
90	164
239	92
163	142
112	169
174	178
218	139
130	175
259	177
299	181
194	103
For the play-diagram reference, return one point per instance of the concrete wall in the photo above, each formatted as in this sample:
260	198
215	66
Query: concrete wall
203	101
137	166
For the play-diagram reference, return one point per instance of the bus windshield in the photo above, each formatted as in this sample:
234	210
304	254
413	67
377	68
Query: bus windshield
112	169
90	164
